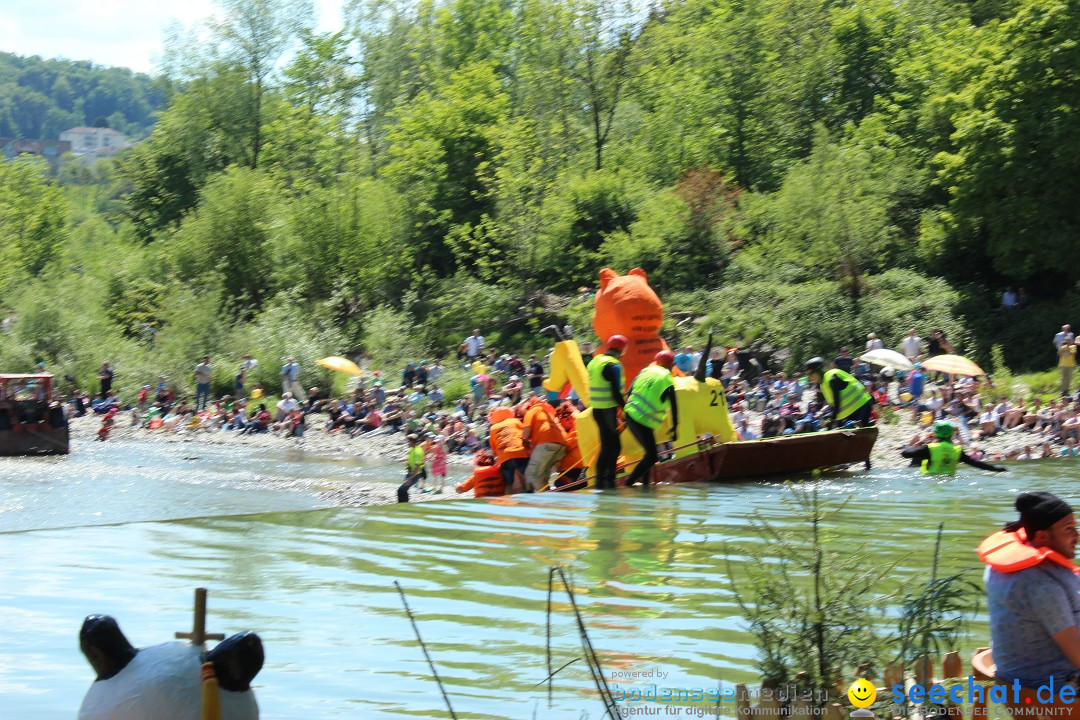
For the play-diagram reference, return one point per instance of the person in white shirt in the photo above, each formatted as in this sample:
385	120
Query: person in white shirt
246	367
474	345
1066	335
285	406
873	342
911	346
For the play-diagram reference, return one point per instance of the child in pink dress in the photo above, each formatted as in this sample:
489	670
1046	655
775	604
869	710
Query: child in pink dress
437	452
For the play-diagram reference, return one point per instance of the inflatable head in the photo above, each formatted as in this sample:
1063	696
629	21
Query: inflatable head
163	682
626	305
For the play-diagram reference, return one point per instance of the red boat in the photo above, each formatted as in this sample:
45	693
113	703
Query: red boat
30	423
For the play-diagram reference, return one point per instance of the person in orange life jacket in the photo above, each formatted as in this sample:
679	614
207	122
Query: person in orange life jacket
546	441
508	444
486	480
605	398
570	466
1033	596
645	412
942	457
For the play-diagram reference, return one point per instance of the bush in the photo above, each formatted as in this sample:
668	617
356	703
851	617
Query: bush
817	318
1024	333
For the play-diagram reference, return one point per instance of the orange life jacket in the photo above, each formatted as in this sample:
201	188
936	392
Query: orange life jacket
507	441
572	458
486	480
1007	552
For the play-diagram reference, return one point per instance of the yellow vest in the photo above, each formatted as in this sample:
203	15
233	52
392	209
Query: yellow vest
600	395
852	397
944	457
644	404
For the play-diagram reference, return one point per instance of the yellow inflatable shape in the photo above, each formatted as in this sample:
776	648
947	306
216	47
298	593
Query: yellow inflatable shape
702	411
567	366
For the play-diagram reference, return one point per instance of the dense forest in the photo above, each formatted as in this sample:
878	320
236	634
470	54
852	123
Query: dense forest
42	98
798	172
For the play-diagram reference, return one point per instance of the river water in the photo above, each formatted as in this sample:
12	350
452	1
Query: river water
130	529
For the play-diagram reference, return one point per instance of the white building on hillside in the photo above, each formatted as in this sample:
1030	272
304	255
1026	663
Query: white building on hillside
100	141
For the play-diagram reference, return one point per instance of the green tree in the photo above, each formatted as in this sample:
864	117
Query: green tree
1013	173
196	137
839	209
254	35
33	218
441	154
228	237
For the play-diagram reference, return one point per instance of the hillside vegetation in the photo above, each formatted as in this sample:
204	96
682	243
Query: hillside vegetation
798	172
42	98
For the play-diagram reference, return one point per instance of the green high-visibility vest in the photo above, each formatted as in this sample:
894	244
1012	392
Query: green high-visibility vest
600	395
944	457
852	397
644	404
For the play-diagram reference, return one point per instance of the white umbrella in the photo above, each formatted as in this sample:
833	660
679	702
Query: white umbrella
887	358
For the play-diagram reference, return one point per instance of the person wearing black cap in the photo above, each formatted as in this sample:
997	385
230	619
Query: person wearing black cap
1033	598
850	402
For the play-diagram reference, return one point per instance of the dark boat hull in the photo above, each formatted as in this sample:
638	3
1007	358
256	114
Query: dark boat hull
30	440
770	456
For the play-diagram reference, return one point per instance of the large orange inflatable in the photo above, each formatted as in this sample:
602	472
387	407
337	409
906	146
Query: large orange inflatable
627	305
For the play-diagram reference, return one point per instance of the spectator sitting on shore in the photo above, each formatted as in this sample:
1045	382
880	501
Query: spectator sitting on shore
1070	449
285	406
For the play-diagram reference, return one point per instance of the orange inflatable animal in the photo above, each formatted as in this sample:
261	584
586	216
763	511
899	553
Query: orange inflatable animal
627	305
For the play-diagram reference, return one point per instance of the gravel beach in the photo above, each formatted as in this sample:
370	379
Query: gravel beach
391	448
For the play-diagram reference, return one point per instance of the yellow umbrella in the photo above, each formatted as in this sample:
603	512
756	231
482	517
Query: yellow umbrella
341	365
953	365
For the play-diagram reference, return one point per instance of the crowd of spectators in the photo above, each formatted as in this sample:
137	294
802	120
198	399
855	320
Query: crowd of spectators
762	403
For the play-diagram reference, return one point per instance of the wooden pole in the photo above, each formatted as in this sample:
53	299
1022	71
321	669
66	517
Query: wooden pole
551	674
423	647
742	701
610	707
198	634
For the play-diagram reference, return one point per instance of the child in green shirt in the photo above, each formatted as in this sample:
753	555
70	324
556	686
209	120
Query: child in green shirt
414	468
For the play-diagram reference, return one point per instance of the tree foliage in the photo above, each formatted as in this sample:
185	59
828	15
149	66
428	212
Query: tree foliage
803	171
40	98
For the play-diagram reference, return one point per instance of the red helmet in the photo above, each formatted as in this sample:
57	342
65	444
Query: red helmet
665	358
617	342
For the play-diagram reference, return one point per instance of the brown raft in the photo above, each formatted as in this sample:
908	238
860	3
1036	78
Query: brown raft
785	455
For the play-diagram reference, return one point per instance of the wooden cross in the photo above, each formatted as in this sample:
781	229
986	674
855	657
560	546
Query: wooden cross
198	634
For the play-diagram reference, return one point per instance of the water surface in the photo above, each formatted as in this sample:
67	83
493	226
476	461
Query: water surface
130	530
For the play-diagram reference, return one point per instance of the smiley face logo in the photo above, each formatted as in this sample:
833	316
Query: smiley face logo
862	693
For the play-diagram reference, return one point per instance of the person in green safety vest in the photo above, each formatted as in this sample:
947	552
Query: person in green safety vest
942	457
414	468
850	402
651	394
605	399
